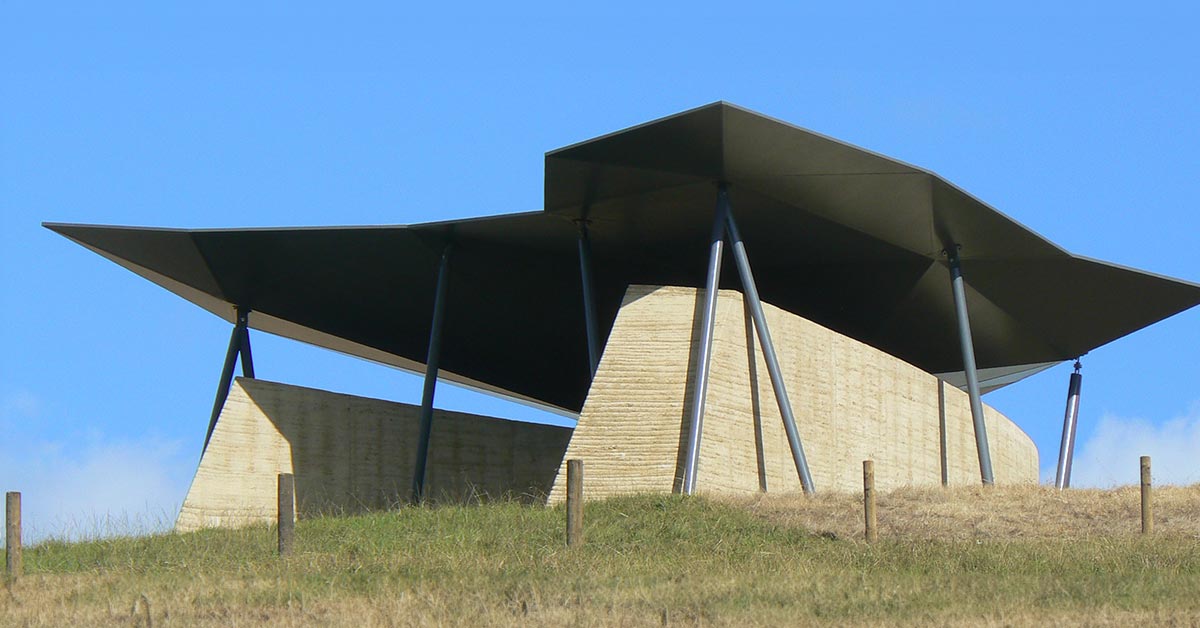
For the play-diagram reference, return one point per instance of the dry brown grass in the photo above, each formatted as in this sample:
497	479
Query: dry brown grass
991	513
963	557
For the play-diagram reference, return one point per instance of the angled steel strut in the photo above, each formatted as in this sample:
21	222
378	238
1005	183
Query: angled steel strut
968	355
724	226
433	357
700	390
589	297
750	292
1066	450
239	344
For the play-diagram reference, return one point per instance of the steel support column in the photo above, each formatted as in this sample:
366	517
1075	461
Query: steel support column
1066	450
589	297
968	355
750	291
238	343
704	355
243	318
433	357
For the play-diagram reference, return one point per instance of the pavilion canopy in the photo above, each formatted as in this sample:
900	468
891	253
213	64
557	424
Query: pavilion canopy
848	238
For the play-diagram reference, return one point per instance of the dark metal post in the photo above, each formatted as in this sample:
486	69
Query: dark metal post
231	354
243	321
750	290
1066	450
968	353
589	297
433	357
705	350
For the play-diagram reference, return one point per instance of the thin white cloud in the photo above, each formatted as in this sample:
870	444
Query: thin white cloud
105	488
1110	456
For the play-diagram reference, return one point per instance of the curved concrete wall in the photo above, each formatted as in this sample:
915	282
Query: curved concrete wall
851	402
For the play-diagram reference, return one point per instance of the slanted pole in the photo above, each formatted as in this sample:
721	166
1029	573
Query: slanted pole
433	357
243	316
236	339
968	353
704	357
1066	450
589	297
750	290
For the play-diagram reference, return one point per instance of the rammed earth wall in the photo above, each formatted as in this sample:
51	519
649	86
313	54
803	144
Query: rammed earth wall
851	402
352	454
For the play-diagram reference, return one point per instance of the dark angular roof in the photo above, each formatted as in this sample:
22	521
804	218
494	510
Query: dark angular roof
843	236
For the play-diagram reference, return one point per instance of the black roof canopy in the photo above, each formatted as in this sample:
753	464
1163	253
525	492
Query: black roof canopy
848	238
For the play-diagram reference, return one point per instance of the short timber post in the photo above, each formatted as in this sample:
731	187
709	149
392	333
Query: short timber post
944	443
574	502
870	523
12	543
1147	498
287	512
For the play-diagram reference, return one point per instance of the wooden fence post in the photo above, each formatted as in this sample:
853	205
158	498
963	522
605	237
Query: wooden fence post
871	529
574	502
12	543
1147	498
287	512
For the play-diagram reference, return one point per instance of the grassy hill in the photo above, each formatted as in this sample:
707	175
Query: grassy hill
1001	556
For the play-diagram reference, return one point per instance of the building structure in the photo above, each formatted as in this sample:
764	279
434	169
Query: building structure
880	281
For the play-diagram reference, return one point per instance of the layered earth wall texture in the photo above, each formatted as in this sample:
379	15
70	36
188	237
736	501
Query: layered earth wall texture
353	454
851	401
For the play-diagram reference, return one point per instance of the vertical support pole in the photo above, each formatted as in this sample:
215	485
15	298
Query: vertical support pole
1066	450
287	512
750	291
870	522
243	321
231	354
704	357
574	502
945	441
433	357
1147	498
968	353
589	297
13	565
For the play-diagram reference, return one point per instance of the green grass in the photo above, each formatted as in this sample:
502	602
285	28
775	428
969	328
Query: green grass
694	559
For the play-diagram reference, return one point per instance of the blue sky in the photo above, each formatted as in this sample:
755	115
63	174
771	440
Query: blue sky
1082	126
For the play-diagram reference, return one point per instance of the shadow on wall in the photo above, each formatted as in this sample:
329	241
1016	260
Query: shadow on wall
690	385
354	454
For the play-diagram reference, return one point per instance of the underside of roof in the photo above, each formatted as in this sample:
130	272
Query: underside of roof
842	236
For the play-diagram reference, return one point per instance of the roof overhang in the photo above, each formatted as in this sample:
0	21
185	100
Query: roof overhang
843	236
